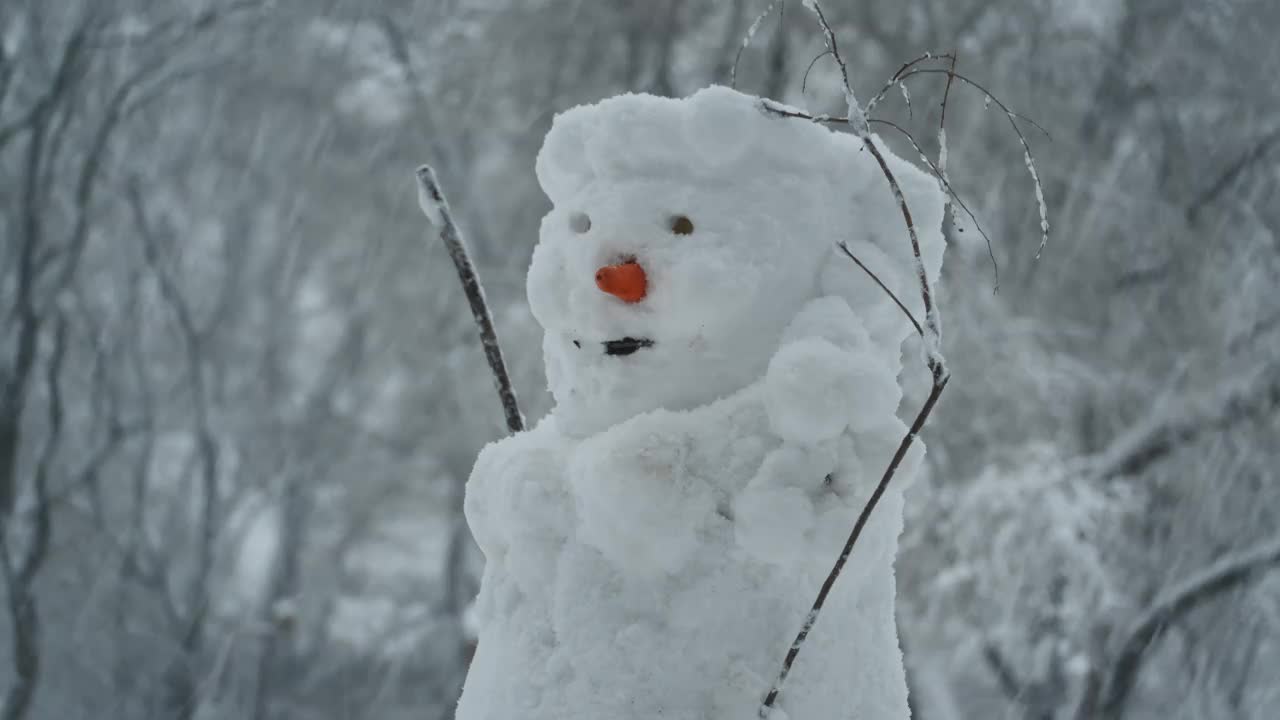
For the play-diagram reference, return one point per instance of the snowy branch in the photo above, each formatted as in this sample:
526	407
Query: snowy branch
436	208
1117	678
1256	396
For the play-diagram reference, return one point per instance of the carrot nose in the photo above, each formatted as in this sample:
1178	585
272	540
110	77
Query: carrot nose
625	281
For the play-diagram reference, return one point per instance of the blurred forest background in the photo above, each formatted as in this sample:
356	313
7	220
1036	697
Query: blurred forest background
240	390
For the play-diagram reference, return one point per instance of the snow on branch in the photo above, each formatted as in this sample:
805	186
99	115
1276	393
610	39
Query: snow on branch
434	205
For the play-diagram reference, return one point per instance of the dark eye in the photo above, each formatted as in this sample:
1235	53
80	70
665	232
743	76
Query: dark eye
579	222
681	225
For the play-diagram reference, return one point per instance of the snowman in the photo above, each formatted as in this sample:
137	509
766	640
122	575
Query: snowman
726	388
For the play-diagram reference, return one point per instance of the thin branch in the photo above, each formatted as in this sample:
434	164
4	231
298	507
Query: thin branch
1028	157
63	78
206	443
953	198
87	475
723	65
933	327
746	40
967	80
17	379
87	180
7	67
26	622
946	92
940	172
436	207
804	81
24	614
897	76
39	543
844	247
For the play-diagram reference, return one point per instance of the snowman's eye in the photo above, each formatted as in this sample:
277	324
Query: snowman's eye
579	222
680	225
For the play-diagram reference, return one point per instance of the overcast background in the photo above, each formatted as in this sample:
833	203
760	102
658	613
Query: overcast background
240	389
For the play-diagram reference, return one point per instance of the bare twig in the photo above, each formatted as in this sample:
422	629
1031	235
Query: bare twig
804	81
946	93
939	171
987	94
39	543
1013	117
897	76
724	66
206	531
845	248
746	41
69	65
24	614
436	208
932	324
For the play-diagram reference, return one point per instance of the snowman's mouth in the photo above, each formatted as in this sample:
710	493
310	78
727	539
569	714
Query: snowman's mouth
626	345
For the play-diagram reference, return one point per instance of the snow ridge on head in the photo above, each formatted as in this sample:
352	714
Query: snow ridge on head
714	135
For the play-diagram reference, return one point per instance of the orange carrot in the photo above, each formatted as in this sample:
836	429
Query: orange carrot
626	281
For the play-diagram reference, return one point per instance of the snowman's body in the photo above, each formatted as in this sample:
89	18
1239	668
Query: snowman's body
654	544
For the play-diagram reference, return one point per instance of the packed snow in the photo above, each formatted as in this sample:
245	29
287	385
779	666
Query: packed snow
653	545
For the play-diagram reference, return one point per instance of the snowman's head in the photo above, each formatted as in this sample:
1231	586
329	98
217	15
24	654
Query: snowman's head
684	236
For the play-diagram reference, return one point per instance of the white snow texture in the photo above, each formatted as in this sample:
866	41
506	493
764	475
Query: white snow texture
653	545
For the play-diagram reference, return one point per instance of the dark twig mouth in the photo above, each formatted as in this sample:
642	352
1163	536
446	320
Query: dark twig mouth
626	345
